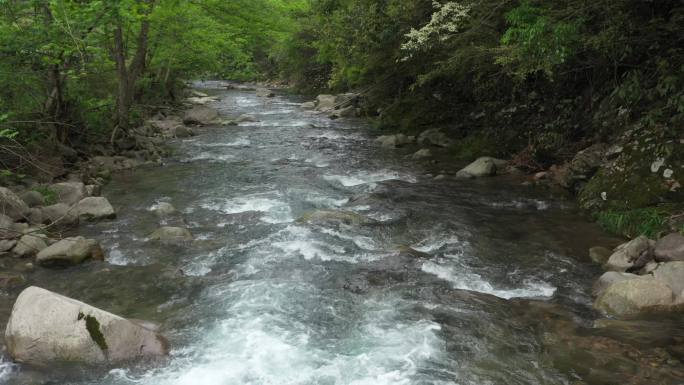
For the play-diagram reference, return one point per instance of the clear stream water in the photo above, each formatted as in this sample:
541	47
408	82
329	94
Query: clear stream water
262	298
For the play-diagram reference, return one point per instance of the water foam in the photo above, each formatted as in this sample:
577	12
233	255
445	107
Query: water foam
363	177
276	210
462	279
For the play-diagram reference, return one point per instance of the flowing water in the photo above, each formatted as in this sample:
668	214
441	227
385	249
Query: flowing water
261	297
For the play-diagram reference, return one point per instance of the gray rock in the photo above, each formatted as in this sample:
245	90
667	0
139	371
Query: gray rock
201	115
164	209
633	296
625	255
422	154
246	118
326	102
484	166
11	205
393	141
7	244
670	248
60	214
33	198
610	277
672	274
171	234
93	190
600	254
264	93
434	137
29	245
70	251
309	105
35	216
95	208
46	327
69	192
182	131
345	112
6	227
10	280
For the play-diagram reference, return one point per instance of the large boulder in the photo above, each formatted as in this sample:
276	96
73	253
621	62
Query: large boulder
326	102
171	234
46	327
610	277
70	251
670	248
434	137
625	255
29	245
69	192
59	213
672	274
11	205
95	208
633	296
201	115
484	166
393	141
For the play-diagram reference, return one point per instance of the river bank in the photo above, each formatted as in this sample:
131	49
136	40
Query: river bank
345	261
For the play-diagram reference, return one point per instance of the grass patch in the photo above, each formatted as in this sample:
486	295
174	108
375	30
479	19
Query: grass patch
649	221
49	195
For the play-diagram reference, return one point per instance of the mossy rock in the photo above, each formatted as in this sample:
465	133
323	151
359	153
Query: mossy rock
647	172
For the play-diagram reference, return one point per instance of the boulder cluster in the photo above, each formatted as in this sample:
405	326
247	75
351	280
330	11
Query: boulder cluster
642	276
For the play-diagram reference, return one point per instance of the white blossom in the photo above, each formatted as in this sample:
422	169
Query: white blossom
446	21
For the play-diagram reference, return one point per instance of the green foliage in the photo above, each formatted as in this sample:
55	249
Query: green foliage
534	42
49	196
646	221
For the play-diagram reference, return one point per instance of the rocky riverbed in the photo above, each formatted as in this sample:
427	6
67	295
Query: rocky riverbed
285	241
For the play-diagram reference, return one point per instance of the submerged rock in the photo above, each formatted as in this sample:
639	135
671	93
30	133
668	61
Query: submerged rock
70	251
246	118
11	205
46	327
201	115
600	254
264	93
332	216
164	209
171	234
95	208
10	281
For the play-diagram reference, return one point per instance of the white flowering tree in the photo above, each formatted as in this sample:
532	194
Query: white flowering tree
448	19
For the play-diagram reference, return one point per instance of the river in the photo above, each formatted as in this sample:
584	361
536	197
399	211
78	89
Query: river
261	297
